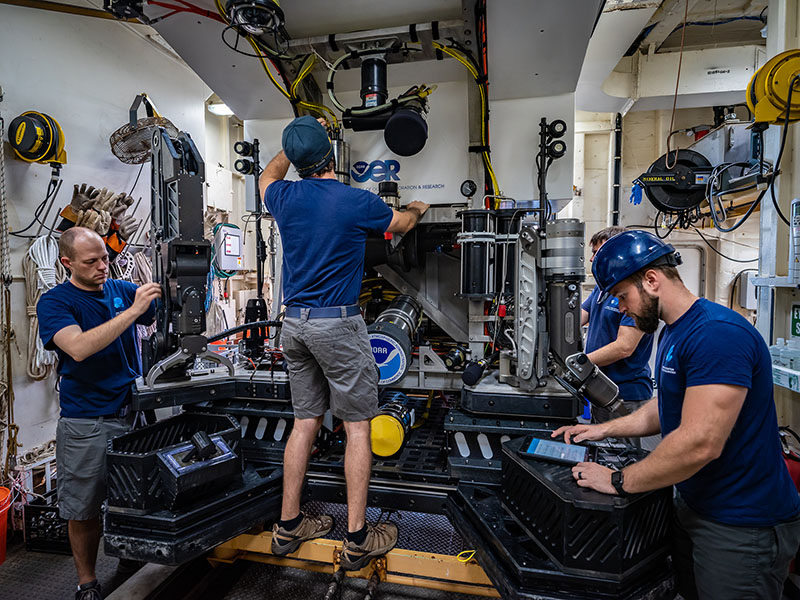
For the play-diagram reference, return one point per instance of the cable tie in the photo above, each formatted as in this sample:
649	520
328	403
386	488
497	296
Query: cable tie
479	149
332	42
435	30
482	79
412	32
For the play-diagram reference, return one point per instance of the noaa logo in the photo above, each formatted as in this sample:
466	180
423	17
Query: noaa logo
390	358
377	171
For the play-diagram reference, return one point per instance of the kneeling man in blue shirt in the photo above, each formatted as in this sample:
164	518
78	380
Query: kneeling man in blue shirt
737	512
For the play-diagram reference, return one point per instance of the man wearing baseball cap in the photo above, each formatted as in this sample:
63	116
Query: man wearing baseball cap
324	226
737	512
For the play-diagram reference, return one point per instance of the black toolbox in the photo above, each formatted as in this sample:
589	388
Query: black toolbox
133	475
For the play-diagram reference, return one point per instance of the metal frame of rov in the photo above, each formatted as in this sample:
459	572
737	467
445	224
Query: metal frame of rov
517	332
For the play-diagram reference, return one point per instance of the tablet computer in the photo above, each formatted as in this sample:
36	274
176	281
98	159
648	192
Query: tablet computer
559	452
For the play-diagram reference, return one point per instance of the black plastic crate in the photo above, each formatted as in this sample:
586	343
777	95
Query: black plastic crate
520	570
45	530
133	478
581	530
174	537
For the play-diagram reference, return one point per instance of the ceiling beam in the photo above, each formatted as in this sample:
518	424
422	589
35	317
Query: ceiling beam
667	18
615	5
67	9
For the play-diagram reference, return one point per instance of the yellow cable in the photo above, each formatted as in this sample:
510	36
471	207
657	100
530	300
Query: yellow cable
318	108
484	107
308	63
465	556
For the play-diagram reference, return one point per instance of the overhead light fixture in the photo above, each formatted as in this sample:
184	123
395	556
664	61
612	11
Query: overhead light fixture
220	109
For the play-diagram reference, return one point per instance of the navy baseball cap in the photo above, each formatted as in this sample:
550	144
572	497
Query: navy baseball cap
307	146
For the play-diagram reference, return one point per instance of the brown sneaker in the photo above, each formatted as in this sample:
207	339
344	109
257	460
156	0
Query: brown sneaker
380	539
285	542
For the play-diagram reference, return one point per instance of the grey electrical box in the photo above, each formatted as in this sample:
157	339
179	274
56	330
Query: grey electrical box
228	248
250	194
747	291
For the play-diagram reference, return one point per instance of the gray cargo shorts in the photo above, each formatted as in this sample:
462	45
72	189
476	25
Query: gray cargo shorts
81	464
330	366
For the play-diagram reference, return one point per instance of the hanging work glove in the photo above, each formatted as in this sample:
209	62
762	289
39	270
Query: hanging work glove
121	203
97	220
83	197
105	200
128	226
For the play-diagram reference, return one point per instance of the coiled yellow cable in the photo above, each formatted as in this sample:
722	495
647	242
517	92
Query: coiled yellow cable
320	109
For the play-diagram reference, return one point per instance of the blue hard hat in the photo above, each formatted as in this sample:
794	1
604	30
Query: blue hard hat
307	146
627	252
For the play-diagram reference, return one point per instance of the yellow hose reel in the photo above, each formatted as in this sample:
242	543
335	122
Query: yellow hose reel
37	138
768	90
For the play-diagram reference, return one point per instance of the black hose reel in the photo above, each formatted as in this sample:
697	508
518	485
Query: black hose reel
675	186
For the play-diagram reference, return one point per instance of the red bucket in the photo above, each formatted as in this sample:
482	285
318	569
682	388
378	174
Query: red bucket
5	504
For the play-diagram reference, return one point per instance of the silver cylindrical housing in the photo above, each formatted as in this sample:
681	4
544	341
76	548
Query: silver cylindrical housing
562	250
403	312
387	190
341	157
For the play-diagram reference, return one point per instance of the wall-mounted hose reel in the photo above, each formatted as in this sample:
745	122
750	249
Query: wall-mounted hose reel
37	138
679	188
769	93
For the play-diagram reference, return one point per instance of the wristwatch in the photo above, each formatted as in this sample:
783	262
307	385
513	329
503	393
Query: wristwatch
617	479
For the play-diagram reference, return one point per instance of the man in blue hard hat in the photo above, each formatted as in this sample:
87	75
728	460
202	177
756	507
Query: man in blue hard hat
615	344
324	225
737	512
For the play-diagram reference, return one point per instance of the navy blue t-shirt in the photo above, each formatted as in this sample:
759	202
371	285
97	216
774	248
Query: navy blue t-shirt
632	374
324	225
102	383
748	484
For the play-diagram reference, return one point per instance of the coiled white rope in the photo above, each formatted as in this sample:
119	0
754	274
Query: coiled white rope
42	271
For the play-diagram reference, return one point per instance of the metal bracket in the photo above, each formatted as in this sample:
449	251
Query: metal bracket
180	356
430	362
